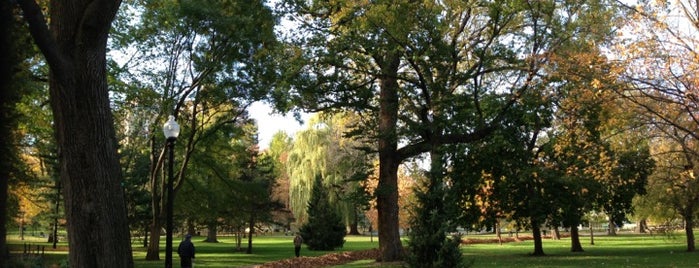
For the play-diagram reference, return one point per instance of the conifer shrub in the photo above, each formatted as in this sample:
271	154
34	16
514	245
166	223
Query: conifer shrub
324	229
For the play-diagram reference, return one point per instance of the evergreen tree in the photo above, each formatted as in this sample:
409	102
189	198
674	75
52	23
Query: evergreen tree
324	230
431	222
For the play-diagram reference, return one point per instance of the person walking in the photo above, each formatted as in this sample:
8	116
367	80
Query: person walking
298	240
186	252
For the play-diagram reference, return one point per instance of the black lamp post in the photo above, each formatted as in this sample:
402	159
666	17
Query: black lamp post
171	130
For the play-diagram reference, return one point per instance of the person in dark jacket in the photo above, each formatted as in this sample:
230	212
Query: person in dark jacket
298	240
186	252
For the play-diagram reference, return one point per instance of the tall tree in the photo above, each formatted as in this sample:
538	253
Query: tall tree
628	179
424	73
210	64
432	221
7	64
629	142
324	149
75	50
279	149
658	52
256	180
503	176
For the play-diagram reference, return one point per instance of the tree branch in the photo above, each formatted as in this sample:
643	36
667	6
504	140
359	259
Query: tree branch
43	38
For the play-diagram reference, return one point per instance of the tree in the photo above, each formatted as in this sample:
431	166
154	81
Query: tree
628	179
7	64
324	229
210	65
629	142
256	184
211	180
75	51
422	74
432	222
674	183
279	149
659	61
31	162
324	149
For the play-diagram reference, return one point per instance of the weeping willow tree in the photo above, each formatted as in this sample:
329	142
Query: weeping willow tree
324	150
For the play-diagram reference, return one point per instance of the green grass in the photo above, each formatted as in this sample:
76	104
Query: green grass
265	249
626	250
621	251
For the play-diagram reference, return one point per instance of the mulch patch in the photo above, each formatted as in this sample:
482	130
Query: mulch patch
520	238
351	256
323	261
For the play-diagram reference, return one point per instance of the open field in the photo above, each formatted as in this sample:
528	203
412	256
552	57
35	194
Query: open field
626	250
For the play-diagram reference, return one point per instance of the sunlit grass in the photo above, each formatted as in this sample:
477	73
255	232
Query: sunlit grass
626	250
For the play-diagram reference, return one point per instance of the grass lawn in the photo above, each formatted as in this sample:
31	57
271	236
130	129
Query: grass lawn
620	251
626	250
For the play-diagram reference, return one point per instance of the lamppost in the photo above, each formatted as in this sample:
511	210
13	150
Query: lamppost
171	130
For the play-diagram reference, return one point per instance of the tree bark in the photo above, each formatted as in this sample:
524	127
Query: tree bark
157	188
354	225
153	251
191	228
642	226
390	247
75	50
689	231
612	227
538	244
251	226
556	233
497	231
575	245
239	238
145	236
6	64
211	234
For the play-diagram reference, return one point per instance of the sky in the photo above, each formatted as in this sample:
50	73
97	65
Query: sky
269	124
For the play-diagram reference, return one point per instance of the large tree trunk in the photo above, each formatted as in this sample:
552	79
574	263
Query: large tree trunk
538	244
689	231
157	187
212	232
75	50
6	65
153	251
575	245
390	247
354	224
